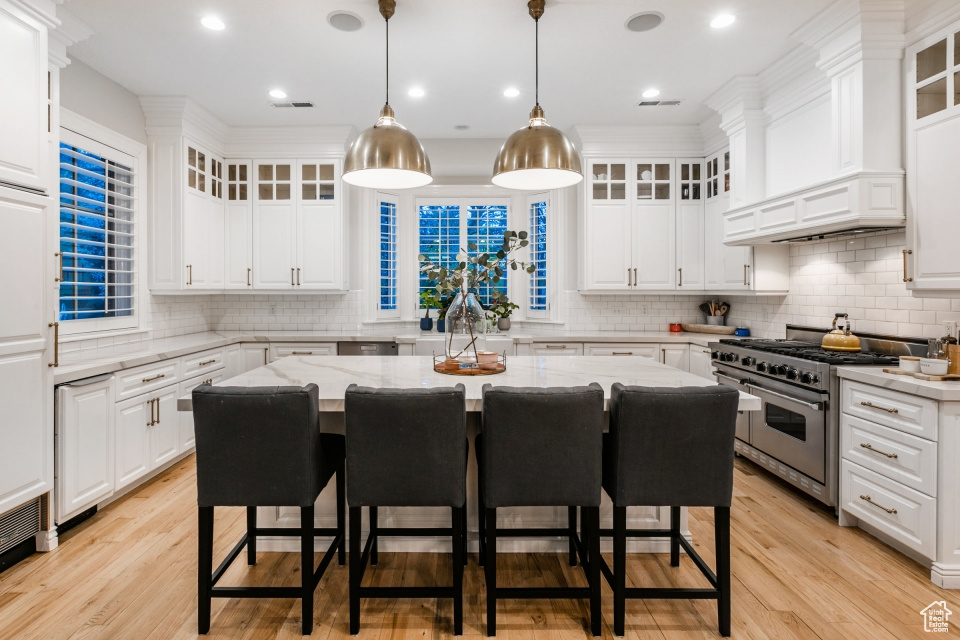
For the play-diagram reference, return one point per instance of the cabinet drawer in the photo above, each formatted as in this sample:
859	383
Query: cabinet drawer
907	516
901	411
147	378
556	349
896	455
284	349
201	363
647	350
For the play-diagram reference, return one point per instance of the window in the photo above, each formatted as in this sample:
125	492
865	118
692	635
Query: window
445	228
97	236
388	256
538	254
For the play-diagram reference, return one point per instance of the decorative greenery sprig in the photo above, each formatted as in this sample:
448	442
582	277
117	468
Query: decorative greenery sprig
501	307
483	268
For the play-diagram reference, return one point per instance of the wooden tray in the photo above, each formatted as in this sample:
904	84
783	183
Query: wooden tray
923	376
709	328
439	368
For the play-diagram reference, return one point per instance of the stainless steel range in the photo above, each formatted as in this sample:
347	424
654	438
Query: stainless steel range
796	432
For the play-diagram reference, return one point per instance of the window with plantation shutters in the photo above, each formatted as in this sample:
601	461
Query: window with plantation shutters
98	279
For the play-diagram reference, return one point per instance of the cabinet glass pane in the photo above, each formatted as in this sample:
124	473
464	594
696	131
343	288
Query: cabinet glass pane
618	172
326	172
309	192
644	172
956	88
956	48
192	179
265	171
243	173
202	161
696	172
696	191
663	191
232	191
202	185
243	192
283	191
309	171
644	191
265	192
599	191
325	192
932	98
663	172
618	191
684	172
932	60
600	172
191	156
283	172
726	161
232	172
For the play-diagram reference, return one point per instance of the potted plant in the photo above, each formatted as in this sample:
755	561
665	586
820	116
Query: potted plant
428	300
466	319
501	308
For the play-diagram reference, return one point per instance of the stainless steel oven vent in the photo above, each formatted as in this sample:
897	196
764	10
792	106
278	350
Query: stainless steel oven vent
20	524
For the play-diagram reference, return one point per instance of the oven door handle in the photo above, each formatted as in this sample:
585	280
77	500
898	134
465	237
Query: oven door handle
731	378
816	406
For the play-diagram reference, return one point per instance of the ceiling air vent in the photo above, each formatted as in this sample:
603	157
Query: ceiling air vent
659	103
296	105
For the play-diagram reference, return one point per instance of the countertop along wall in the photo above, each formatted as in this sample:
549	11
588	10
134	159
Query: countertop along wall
862	276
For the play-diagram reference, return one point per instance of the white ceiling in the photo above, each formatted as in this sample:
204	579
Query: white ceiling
462	52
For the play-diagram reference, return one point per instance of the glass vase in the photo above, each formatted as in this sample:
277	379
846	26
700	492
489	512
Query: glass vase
466	328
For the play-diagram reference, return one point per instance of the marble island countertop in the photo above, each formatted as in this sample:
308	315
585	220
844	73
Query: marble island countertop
947	391
83	364
333	374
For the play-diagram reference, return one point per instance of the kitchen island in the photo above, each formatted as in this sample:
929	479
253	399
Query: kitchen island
333	374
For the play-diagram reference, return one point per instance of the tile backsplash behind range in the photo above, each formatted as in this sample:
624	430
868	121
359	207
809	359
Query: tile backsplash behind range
861	276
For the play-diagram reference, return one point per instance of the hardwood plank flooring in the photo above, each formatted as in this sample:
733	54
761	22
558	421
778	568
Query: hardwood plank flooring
130	572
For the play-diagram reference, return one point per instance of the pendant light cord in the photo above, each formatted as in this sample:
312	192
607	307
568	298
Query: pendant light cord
537	61
387	21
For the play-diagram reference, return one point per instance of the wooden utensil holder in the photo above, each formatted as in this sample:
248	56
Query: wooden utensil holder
953	352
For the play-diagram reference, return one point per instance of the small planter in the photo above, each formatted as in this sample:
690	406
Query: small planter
441	325
503	324
426	324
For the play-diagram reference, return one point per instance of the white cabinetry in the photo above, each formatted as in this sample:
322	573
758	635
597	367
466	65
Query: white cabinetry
690	225
85	441
252	356
551	349
727	268
283	349
148	433
646	350
186	434
676	356
203	222
24	91
700	362
238	226
933	136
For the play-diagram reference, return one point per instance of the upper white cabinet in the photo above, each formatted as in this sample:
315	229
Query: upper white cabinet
690	224
24	91
203	220
238	226
727	268
930	260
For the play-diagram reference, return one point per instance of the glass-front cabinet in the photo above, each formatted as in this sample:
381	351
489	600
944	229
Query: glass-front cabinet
608	181
202	220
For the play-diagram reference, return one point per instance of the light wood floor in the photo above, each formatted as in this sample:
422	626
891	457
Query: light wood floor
130	572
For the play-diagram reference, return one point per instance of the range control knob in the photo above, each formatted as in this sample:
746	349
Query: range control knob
762	367
793	374
747	361
715	355
808	378
778	369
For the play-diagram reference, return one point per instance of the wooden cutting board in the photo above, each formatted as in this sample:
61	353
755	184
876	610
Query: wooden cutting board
923	376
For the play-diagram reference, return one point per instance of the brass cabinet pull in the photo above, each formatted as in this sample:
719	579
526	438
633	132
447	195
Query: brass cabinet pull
681	277
746	279
906	252
628	277
556	346
623	353
867	499
301	353
873	406
291	276
56	344
59	256
867	446
156	377
663	356
157	402
206	362
208	381
190	271
298	276
153	420
634	276
248	275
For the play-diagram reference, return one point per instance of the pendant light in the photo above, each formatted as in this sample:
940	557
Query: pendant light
387	156
538	156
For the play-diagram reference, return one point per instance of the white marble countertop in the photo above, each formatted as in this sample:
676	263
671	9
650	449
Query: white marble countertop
333	374
943	391
84	364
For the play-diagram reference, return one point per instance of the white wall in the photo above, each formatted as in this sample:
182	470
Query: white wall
93	95
462	157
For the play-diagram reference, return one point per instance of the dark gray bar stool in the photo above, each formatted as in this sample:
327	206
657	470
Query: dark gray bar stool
262	446
670	447
541	447
406	448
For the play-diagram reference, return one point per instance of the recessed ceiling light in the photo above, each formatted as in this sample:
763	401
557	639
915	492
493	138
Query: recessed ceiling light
644	21
651	93
279	94
724	20
416	92
345	21
213	22
512	92
461	127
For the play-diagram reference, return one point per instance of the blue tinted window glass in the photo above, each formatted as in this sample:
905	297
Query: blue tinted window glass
538	255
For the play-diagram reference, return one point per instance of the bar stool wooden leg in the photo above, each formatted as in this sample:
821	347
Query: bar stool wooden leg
572	525
356	570
306	568
251	536
374	557
481	526
490	567
205	569
619	569
458	562
341	513
596	620
674	536
721	521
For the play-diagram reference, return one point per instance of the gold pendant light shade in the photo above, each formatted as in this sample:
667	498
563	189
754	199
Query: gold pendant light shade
537	157
387	156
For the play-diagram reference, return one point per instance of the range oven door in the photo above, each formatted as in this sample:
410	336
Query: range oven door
743	417
791	426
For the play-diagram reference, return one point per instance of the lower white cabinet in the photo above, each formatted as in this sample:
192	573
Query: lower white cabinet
187	437
85	446
283	349
676	356
700	362
251	357
147	433
556	349
232	361
609	349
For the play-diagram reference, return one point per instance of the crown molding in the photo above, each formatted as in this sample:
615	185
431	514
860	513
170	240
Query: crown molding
633	140
69	32
329	141
714	138
43	10
179	115
937	15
